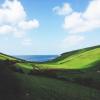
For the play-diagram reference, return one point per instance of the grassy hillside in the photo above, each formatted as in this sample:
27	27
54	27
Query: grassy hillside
4	57
67	54
20	86
8	57
76	76
41	88
78	59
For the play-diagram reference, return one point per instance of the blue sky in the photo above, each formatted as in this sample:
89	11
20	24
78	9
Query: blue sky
48	26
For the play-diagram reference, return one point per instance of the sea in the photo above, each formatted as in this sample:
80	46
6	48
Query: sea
36	58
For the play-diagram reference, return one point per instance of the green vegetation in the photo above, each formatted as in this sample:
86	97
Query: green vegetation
18	86
74	60
41	88
7	57
72	76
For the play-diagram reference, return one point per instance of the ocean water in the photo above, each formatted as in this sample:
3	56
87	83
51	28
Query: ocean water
37	58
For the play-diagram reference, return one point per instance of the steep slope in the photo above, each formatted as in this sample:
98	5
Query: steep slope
79	59
8	57
71	53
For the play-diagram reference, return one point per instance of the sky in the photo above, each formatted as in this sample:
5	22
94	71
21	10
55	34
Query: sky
44	27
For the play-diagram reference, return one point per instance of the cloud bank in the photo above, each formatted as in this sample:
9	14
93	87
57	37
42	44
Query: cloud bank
13	19
79	22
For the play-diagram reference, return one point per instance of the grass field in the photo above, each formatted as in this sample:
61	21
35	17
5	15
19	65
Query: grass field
76	76
79	60
19	86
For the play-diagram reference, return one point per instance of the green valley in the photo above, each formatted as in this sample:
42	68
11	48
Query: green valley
73	75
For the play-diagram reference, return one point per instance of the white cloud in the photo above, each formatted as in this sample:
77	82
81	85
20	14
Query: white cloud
72	40
64	10
88	20
12	12
13	19
79	22
25	25
6	29
93	10
71	20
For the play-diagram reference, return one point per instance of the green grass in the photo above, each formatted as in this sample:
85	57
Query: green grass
22	86
26	67
4	57
40	88
78	60
16	86
8	57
